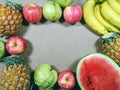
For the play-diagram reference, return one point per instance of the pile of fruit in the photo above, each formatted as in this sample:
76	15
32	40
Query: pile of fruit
52	11
96	71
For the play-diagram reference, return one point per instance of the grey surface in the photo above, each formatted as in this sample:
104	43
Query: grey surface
56	43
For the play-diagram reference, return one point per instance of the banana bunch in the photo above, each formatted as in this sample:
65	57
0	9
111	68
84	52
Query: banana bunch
102	16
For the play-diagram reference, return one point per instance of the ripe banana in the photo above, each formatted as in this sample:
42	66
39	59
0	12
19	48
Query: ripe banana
118	1
90	18
106	24
114	5
109	14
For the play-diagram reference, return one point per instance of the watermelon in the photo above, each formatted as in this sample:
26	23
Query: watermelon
97	71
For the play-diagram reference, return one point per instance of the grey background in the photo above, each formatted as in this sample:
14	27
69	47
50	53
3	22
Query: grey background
56	43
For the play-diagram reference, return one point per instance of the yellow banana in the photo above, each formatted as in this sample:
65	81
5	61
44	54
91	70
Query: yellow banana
90	18
114	5
118	1
109	14
106	24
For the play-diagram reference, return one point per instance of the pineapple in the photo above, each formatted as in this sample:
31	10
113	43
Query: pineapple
10	18
16	76
110	45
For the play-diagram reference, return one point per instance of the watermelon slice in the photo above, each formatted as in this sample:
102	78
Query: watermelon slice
97	71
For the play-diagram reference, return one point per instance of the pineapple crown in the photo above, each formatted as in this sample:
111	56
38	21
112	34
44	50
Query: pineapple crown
12	4
109	37
12	60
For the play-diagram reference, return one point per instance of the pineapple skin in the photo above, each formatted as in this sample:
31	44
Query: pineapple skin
10	20
112	49
15	77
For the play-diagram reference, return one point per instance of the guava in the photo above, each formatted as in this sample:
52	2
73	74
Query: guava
64	3
44	76
2	49
52	11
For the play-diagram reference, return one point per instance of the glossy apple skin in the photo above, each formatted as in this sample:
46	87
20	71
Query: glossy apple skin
72	14
66	79
32	13
16	45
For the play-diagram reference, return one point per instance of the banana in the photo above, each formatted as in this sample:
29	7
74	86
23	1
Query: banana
109	14
118	1
114	5
90	18
106	24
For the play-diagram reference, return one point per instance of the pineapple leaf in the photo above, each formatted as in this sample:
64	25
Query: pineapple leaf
109	37
11	60
13	4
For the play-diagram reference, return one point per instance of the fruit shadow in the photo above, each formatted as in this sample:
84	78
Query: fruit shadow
28	53
43	20
73	68
98	46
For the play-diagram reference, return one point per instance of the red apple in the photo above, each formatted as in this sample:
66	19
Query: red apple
66	79
32	12
15	45
72	14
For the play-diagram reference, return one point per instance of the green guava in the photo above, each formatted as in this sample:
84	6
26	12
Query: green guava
64	3
44	76
2	49
52	11
53	80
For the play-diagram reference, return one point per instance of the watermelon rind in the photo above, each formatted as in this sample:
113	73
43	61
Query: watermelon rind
108	59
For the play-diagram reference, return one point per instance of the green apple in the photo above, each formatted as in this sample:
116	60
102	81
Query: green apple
52	11
44	76
64	3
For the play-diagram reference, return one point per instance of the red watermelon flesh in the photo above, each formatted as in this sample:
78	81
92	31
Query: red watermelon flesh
97	73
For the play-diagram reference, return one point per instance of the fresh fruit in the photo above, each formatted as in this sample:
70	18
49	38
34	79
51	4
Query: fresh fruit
106	24
109	14
66	79
64	3
10	18
15	45
45	76
52	11
90	18
118	1
32	12
2	49
109	44
16	76
97	71
72	14
114	5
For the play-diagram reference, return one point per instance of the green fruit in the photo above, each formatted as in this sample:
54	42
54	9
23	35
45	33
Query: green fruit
52	11
53	80
45	77
64	3
2	49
